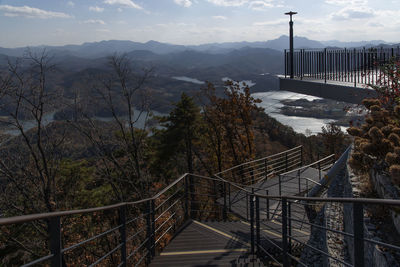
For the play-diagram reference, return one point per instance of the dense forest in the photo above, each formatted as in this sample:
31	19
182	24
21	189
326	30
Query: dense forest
80	161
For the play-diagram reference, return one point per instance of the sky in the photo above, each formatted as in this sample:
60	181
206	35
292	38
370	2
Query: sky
60	22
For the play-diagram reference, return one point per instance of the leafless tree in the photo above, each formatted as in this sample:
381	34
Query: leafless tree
29	162
123	95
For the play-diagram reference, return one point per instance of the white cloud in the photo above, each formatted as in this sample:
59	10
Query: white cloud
229	2
94	21
275	22
253	4
220	17
30	12
353	12
124	3
185	3
70	3
103	30
347	2
260	5
96	9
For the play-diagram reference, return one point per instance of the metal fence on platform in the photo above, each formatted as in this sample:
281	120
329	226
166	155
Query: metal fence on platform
361	66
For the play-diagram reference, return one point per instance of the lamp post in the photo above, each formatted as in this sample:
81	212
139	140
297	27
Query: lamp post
291	13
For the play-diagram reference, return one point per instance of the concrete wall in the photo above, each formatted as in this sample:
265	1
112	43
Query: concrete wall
337	92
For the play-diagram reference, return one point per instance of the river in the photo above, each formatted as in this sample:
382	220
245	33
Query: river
271	104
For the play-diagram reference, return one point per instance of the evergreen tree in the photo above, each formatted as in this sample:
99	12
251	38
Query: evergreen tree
181	130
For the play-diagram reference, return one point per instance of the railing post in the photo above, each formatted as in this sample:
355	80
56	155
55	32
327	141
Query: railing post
153	228
358	228
325	63
187	214
280	184
150	230
258	225
266	168
224	215
298	175
192	197
252	221
229	191
355	67
122	222
289	206
319	169
286	161
301	156
55	241
247	206
267	192
284	234
286	63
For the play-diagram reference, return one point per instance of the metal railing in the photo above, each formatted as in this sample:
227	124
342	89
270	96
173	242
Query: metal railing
133	233
357	66
293	218
124	234
257	170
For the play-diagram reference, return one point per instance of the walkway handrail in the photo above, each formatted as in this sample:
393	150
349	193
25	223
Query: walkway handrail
182	200
261	159
330	157
41	216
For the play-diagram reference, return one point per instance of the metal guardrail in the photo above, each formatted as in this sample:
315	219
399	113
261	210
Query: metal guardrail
356	66
144	227
134	231
288	217
257	170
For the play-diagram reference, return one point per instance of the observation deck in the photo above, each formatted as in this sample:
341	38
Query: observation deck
346	75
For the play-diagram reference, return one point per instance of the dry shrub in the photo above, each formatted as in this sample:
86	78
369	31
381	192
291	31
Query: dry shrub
377	141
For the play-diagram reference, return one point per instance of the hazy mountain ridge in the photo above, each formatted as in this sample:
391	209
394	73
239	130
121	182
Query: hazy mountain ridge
106	48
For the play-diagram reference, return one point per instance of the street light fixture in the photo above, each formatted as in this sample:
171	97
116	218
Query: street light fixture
291	13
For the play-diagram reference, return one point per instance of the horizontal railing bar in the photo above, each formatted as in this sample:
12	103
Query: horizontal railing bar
321	227
137	249
38	260
136	218
237	166
167	220
270	255
296	259
159	216
141	259
135	234
166	231
171	196
91	239
320	251
376	242
170	185
105	256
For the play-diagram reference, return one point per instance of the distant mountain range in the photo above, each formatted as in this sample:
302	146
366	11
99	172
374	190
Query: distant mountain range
104	48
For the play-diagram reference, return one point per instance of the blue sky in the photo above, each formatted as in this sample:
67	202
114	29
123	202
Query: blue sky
59	22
